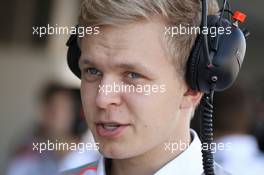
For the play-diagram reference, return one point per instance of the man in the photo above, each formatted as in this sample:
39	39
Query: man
138	133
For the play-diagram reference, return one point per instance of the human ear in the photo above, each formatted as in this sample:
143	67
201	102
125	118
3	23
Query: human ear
191	98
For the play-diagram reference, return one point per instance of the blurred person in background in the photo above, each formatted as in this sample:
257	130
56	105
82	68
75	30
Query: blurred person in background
258	129
233	120
59	121
79	158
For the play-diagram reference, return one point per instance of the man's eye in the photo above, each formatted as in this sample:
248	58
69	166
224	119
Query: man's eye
92	71
133	75
91	74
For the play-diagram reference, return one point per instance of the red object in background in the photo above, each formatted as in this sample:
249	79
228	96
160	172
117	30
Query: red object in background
239	16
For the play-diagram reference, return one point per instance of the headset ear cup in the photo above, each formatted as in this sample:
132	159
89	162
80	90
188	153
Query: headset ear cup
192	64
73	55
226	59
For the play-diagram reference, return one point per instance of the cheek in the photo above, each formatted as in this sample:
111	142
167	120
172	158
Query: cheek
88	94
88	90
155	104
152	122
153	114
150	112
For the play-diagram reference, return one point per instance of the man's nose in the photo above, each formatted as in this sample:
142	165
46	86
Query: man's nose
107	94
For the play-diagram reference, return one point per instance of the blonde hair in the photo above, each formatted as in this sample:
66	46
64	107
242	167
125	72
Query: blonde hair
173	12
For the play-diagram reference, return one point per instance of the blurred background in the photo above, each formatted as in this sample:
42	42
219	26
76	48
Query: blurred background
28	65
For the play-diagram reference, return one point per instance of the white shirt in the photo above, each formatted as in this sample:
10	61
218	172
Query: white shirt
188	162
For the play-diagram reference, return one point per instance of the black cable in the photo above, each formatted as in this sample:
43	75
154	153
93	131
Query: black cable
215	46
229	10
204	25
207	132
222	12
224	9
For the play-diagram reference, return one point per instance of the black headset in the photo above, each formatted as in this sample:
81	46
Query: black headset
213	65
216	59
213	58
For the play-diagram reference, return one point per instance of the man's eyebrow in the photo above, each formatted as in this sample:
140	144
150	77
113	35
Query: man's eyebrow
128	66
84	61
131	66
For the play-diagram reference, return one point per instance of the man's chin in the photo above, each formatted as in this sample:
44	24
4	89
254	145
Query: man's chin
111	152
115	152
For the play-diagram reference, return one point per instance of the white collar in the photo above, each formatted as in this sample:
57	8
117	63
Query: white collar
101	166
188	162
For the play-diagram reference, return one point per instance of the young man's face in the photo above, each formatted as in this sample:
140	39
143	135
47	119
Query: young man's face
128	124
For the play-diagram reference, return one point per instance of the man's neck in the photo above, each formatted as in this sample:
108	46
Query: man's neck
151	161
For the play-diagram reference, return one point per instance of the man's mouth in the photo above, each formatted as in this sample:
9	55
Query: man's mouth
110	126
110	130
